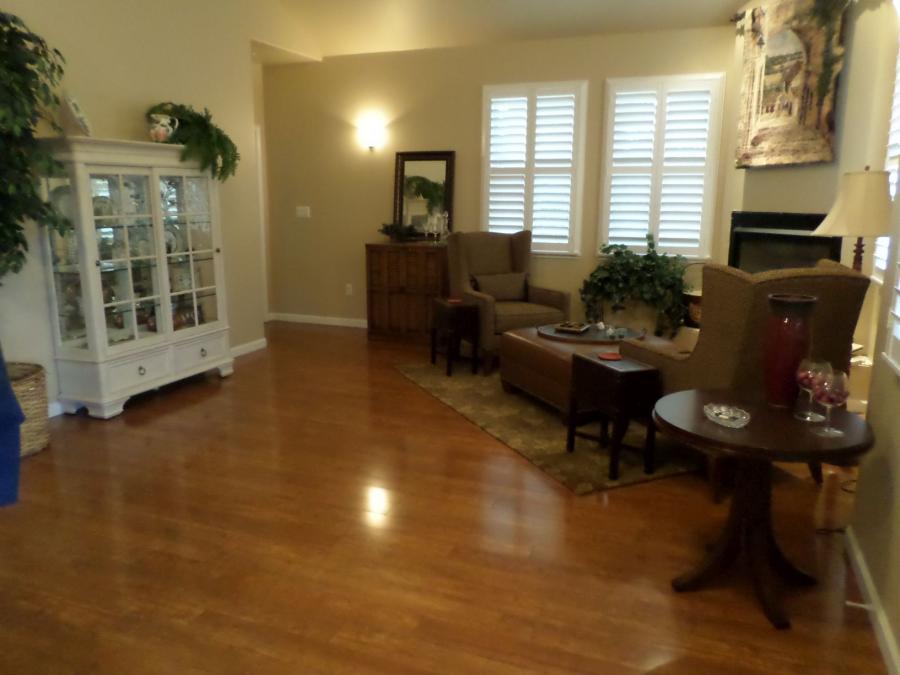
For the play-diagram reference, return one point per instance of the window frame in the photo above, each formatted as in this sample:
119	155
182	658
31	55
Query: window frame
531	90
662	84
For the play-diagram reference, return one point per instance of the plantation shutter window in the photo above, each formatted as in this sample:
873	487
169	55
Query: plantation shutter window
892	343
892	162
661	153
533	159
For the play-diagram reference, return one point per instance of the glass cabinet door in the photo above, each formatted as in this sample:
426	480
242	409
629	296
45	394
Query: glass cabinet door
127	256
65	263
190	250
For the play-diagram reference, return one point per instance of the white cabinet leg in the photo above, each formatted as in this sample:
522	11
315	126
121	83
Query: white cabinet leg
226	369
105	411
70	407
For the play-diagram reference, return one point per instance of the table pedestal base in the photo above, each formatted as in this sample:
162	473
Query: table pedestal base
749	528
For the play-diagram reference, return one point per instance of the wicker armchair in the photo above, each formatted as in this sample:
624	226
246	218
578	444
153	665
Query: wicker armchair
729	349
473	255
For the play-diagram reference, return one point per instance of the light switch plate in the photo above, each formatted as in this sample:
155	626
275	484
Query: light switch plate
304	212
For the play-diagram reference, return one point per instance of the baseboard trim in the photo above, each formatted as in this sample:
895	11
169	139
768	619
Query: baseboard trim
54	409
319	320
887	641
248	347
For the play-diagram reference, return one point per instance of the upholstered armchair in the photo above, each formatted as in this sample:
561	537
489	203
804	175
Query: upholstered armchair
492	270
729	350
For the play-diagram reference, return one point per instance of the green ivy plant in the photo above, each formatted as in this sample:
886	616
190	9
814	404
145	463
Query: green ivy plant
653	278
29	73
203	141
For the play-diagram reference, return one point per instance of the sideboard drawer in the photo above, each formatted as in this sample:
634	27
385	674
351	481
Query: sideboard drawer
134	372
192	354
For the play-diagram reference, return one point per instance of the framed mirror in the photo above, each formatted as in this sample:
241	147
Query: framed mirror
423	190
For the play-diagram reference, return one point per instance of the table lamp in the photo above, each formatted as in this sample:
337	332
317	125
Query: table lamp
862	209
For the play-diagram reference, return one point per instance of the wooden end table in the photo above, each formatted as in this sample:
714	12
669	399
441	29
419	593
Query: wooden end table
454	322
612	390
772	435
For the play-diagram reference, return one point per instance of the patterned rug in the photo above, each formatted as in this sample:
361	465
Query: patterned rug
537	432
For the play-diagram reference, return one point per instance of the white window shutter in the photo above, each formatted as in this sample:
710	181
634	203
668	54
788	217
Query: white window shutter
554	148
506	203
554	131
685	155
661	163
634	128
629	209
552	209
509	132
532	163
508	150
633	140
882	244
681	213
892	345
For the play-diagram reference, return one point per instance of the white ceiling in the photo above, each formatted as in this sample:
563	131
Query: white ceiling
363	26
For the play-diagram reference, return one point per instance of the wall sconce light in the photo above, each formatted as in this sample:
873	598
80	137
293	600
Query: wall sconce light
370	131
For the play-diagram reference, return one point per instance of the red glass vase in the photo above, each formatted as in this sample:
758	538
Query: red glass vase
786	345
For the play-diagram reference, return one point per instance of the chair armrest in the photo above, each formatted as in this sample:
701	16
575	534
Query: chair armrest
486	318
652	351
549	298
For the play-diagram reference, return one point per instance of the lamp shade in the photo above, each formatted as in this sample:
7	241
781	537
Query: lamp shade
862	207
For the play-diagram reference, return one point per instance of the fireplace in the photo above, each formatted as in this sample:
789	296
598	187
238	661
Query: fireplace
763	240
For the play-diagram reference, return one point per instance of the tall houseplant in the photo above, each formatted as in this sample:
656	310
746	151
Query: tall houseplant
203	141
29	73
654	278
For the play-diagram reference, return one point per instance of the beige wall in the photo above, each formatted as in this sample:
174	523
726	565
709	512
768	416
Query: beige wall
121	58
433	100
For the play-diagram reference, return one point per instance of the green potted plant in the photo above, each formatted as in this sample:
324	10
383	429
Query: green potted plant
624	276
29	74
203	141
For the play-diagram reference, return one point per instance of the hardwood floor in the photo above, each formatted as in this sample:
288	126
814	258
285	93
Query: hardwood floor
319	513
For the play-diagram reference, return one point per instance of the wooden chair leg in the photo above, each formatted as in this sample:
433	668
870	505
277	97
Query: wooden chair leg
650	449
815	470
620	426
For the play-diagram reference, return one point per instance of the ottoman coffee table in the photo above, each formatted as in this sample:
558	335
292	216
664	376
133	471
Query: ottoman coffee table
539	366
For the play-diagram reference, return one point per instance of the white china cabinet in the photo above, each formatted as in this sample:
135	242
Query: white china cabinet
137	285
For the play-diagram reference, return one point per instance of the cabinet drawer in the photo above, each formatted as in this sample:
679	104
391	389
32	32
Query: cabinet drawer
193	354
137	371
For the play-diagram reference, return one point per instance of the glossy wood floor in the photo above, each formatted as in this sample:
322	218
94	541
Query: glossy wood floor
318	513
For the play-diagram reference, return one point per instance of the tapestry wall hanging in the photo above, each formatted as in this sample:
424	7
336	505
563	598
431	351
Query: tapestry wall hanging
793	53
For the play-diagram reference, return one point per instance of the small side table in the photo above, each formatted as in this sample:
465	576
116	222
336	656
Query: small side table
454	322
613	390
772	435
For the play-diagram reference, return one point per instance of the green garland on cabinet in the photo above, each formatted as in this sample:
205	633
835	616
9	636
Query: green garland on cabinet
203	141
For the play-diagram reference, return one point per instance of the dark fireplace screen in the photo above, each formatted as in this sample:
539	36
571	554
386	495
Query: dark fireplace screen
763	241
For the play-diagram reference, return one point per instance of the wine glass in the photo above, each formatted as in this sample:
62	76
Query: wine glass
808	374
831	391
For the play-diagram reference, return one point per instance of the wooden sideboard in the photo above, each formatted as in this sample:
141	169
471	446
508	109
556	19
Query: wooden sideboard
402	279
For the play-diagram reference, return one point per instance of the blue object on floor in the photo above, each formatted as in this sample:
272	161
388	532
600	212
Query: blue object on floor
11	419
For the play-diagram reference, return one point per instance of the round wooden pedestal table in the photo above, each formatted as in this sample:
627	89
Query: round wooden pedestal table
772	435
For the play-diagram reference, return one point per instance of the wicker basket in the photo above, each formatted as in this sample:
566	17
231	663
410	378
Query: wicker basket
30	386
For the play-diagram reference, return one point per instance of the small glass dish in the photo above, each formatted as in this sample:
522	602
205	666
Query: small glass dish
726	415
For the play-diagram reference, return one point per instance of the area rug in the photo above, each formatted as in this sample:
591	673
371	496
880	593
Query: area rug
537	432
